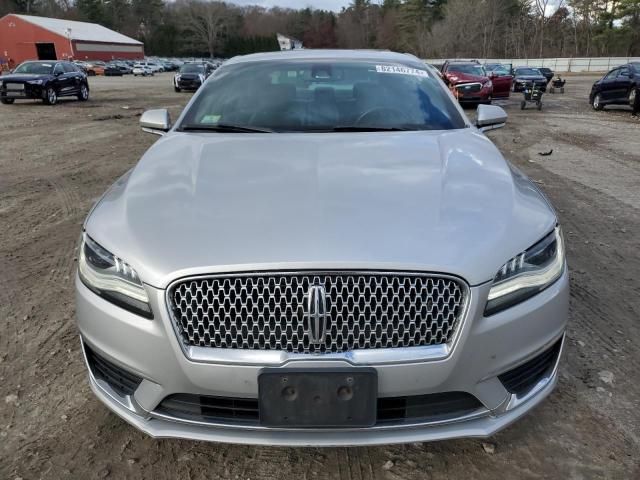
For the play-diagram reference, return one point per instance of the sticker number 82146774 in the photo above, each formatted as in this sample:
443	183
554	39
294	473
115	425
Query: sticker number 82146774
401	70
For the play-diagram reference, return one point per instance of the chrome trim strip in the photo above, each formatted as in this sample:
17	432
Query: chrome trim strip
481	412
371	357
468	84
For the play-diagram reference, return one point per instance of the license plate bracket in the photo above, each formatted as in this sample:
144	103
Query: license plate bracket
319	398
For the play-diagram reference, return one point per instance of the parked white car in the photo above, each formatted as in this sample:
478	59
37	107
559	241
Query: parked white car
142	69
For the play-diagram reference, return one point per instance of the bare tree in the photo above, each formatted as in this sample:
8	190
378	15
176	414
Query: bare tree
206	21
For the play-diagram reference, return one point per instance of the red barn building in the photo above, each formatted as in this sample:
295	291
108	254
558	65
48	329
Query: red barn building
25	37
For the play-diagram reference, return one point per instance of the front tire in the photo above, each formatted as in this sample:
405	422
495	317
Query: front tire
523	104
7	101
83	96
634	99
596	103
177	90
51	96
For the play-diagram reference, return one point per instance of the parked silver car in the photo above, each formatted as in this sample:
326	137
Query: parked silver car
322	250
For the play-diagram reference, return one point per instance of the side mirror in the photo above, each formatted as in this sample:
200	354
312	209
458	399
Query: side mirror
157	122
490	117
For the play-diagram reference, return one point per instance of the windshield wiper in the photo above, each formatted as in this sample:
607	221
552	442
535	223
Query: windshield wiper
222	127
356	128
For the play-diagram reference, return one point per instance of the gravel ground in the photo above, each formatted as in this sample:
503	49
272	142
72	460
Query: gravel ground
56	161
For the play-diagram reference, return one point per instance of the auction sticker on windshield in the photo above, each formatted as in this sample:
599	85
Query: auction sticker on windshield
401	70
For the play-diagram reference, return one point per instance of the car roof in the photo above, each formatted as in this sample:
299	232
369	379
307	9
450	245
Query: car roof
321	54
463	63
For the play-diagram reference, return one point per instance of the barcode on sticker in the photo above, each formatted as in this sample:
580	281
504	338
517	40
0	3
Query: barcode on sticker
401	70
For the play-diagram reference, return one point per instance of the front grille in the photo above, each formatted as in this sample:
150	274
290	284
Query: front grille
522	379
426	408
469	87
390	410
123	382
209	409
364	310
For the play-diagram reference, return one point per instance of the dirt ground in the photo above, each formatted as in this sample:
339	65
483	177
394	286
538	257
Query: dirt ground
56	161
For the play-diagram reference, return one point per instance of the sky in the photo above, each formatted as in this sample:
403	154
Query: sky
335	5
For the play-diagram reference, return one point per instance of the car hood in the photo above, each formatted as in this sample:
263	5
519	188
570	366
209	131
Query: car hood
465	78
531	77
23	77
428	201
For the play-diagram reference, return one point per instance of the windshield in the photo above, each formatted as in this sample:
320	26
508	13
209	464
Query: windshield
38	68
468	69
499	69
528	71
307	96
192	68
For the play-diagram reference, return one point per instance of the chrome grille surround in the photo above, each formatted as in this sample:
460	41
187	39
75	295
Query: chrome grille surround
366	310
473	87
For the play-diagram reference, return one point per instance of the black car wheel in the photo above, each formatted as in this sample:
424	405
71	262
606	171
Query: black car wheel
83	96
633	97
7	101
50	96
177	90
596	103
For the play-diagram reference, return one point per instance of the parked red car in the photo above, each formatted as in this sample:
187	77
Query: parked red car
468	81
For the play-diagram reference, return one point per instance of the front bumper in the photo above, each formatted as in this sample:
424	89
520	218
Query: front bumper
520	86
189	84
484	349
29	92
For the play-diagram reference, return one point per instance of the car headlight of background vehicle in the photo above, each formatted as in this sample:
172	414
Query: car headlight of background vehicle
488	84
112	278
528	273
36	82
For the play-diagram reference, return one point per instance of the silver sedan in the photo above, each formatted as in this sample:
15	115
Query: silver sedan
322	250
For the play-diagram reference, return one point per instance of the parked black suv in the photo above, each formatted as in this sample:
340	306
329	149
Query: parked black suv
44	80
191	76
528	77
620	86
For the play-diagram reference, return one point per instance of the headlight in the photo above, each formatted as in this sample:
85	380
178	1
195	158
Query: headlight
528	273
488	84
177	77
112	278
36	82
201	77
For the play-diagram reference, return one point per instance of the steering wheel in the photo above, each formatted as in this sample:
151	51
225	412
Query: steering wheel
383	112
